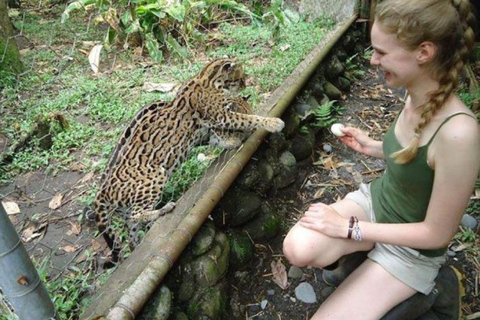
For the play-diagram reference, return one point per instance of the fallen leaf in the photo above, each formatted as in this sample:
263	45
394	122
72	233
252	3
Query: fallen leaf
77	166
34	232
279	272
462	247
473	316
284	47
357	177
161	87
319	193
87	177
11	207
75	230
69	248
94	57
56	201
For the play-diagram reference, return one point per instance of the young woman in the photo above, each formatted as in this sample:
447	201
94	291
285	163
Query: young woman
408	216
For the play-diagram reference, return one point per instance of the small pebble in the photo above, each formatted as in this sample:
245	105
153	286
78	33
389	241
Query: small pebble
469	222
327	148
263	304
451	253
304	292
295	272
270	292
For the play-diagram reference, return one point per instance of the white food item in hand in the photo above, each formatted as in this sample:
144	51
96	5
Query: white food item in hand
336	129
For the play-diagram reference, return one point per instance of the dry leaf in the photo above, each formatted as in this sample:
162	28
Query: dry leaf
161	87
319	193
87	177
473	316
279	272
284	47
56	201
70	248
77	166
462	247
357	177
11	207
34	232
75	230
94	57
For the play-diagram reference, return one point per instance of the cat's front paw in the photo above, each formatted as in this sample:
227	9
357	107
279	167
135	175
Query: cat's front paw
274	125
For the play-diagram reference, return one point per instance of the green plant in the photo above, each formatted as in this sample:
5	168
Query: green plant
325	115
189	172
160	25
469	98
354	67
68	290
465	235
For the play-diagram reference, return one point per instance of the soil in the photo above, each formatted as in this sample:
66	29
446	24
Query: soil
54	229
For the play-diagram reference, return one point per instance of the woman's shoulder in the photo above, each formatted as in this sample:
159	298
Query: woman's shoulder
460	127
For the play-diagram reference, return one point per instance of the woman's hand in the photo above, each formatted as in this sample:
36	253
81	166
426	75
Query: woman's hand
361	142
324	219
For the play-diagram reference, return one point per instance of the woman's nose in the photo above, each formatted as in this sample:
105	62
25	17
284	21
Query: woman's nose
374	60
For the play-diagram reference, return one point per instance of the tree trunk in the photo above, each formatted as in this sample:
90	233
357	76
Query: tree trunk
9	55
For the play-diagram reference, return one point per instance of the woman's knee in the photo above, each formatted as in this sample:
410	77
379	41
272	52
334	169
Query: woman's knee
303	247
293	253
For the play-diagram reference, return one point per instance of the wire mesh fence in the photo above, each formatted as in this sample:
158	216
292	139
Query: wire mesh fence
61	121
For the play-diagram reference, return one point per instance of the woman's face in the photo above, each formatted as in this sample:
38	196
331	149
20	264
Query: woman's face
399	65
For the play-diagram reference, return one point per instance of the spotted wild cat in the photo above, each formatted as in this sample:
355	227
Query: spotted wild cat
157	140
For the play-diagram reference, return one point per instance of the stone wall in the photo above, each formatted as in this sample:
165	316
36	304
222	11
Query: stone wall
339	10
197	286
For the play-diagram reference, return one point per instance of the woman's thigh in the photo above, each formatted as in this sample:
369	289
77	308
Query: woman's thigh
367	294
304	246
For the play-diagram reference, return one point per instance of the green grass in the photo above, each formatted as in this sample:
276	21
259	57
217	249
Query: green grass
97	107
267	62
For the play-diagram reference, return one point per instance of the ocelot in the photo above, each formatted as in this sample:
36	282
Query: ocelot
158	139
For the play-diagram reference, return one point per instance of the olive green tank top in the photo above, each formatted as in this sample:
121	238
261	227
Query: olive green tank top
402	193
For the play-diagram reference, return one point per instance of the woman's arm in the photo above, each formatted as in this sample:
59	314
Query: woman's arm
361	142
457	163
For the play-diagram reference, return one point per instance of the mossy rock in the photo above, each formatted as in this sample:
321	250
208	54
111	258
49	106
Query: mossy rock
241	249
158	306
334	68
237	207
266	226
332	92
208	303
209	268
203	239
292	122
303	144
249	176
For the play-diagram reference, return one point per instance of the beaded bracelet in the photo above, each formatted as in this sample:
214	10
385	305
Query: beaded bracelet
357	233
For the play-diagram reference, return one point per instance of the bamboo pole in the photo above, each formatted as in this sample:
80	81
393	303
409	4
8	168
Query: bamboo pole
19	279
135	296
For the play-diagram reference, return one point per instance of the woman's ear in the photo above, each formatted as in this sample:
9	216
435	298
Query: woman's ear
426	51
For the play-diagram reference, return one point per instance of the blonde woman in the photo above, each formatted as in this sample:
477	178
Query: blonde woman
408	216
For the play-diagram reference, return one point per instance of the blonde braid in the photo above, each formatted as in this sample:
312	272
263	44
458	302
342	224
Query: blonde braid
447	73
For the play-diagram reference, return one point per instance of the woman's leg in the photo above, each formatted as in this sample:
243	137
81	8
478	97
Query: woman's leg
367	294
305	247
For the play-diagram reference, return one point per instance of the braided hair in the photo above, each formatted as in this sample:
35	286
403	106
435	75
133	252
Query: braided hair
447	24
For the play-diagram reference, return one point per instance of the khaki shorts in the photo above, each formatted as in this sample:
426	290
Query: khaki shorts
407	265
